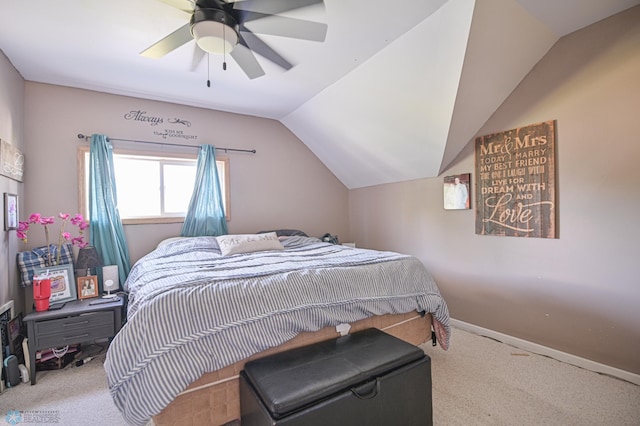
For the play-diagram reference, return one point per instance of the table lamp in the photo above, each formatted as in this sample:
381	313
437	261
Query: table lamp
88	258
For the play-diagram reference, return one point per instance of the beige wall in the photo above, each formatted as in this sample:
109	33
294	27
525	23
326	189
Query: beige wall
11	130
283	185
579	293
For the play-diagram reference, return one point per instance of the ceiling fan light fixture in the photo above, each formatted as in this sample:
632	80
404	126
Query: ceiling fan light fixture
214	30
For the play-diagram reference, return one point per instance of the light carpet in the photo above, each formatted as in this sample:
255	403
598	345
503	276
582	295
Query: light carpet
477	382
480	381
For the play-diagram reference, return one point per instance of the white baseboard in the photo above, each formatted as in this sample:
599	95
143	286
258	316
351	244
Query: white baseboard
546	351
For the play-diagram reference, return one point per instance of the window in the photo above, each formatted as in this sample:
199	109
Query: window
152	188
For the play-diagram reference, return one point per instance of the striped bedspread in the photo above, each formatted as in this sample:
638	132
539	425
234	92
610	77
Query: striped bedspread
192	310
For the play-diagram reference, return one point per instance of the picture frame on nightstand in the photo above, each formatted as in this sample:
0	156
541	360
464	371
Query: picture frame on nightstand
16	337
88	287
63	285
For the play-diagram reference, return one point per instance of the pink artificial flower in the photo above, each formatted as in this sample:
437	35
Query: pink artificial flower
79	241
77	219
21	232
47	220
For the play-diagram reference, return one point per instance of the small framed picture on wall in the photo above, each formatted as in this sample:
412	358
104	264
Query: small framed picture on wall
456	192
10	211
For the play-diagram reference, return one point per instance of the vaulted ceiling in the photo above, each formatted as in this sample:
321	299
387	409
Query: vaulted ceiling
394	92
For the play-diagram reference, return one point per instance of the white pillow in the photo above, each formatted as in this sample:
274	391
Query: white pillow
248	243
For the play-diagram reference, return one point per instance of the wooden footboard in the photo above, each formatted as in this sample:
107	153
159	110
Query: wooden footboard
214	398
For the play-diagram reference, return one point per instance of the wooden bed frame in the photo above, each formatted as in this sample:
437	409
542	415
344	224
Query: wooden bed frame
214	398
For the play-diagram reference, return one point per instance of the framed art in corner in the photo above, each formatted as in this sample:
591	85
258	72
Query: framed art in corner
87	287
456	192
10	211
63	287
11	161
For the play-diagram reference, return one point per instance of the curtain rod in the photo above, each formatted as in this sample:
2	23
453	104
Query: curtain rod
253	151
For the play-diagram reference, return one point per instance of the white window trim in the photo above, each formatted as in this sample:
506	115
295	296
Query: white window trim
83	182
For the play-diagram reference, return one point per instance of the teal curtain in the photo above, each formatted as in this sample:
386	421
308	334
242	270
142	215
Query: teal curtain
105	226
206	211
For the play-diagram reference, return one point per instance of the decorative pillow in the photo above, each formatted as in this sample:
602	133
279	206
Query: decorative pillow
286	232
248	243
169	240
28	261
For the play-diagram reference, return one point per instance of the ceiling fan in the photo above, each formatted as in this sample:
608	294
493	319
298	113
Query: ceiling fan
219	27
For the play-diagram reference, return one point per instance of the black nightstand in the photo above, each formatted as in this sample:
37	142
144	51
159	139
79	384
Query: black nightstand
80	321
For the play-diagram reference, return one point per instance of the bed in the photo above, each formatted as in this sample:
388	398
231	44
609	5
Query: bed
197	311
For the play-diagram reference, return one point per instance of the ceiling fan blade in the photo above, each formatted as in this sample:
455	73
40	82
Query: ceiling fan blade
286	27
247	61
273	6
254	43
184	5
198	56
169	43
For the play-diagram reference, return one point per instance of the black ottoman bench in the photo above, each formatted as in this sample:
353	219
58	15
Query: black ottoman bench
366	378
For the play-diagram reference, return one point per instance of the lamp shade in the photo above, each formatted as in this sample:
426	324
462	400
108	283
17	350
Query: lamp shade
214	30
88	258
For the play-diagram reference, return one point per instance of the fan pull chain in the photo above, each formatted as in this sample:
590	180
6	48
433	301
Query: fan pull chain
208	76
224	48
